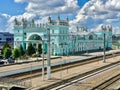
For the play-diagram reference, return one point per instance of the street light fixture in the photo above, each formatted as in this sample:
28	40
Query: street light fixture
104	47
104	57
73	44
48	55
61	47
43	60
66	44
31	75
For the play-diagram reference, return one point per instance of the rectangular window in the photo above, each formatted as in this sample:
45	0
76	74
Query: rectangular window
61	31
8	39
52	31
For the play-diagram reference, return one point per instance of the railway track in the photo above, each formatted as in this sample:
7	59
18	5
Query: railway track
37	73
81	77
107	83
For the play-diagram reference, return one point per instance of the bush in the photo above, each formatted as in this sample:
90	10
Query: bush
30	49
22	52
16	53
7	52
6	45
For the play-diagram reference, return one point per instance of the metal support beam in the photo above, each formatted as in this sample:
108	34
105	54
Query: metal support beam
61	53
104	48
48	55
43	61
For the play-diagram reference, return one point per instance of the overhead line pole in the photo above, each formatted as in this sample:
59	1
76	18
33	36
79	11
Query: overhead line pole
104	57
48	55
43	61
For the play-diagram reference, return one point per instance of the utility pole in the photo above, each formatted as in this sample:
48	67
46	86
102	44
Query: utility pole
43	61
104	39
61	49
104	57
48	55
31	75
61	54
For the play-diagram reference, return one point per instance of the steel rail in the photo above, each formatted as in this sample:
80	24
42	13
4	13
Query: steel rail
107	83
82	77
36	73
58	68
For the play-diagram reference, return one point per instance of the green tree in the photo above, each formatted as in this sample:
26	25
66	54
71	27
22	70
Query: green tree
39	49
30	49
6	45
7	52
22	52
16	53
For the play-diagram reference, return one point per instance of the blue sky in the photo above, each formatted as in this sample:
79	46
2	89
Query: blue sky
82	2
90	13
11	8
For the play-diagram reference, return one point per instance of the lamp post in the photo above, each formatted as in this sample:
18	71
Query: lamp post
73	43
61	49
48	55
104	57
104	47
43	61
66	44
86	49
31	75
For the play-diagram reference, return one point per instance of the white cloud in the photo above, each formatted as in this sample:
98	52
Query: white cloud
5	15
5	25
41	9
42	20
93	14
27	16
98	28
97	12
116	30
51	7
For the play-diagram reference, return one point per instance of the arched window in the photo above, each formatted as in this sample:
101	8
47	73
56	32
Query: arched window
91	37
35	37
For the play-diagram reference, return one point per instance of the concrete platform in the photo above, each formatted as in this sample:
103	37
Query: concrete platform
64	58
61	75
56	77
25	67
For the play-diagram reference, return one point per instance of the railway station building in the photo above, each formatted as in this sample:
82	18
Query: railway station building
62	40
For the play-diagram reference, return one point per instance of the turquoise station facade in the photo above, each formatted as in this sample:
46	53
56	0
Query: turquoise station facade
62	40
